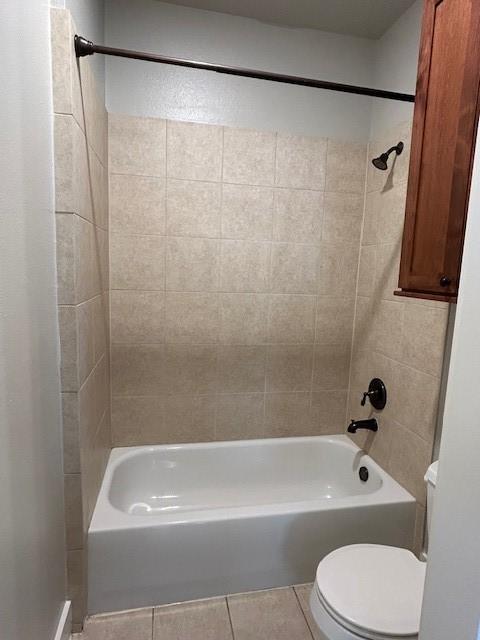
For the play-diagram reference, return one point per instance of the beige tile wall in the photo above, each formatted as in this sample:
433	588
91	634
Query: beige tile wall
400	340
81	195
233	257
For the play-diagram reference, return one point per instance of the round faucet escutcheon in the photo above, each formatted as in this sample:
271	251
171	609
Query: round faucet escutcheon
377	394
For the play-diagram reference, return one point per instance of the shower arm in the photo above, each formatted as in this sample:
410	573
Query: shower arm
84	47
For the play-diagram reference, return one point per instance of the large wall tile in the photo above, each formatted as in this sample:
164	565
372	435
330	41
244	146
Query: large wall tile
136	145
342	221
331	367
370	219
86	339
244	266
98	188
137	205
334	320
194	151
301	162
298	215
387	265
100	309
93	402
87	176
390	214
87	260
291	319
287	414
137	262
241	369
73	511
424	331
294	268
365	325
239	416
67	320
71	436
137	420
345	166
192	264
409	460
289	368
243	318
190	369
76	577
61	60
415	400
138	370
78	172
193	208
248	156
93	110
191	318
328	411
65	187
367	273
65	249
388	328
247	212
337	270
189	418
138	316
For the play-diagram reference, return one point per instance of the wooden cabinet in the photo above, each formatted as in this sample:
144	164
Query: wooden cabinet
443	141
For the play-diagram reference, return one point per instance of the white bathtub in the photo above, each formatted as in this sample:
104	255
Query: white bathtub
181	522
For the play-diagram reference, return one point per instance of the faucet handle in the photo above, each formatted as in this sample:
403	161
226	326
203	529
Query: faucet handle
377	394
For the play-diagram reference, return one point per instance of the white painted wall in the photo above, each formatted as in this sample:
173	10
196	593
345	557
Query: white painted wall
148	89
395	62
451	608
32	555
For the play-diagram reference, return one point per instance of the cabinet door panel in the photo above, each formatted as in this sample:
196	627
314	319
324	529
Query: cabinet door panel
442	146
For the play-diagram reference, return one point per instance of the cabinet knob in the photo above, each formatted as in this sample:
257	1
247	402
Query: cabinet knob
445	281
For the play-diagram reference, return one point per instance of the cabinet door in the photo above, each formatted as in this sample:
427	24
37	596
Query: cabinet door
443	139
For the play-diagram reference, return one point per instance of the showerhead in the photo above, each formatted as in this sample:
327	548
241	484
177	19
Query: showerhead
382	161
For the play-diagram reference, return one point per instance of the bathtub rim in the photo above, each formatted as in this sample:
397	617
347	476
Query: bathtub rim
107	518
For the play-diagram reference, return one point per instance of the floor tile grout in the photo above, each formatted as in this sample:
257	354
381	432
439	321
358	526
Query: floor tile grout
149	614
303	612
230	617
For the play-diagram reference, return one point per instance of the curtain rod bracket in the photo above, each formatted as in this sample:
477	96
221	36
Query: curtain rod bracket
83	47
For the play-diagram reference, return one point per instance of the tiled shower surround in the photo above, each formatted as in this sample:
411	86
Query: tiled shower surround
81	203
236	287
234	256
400	340
249	295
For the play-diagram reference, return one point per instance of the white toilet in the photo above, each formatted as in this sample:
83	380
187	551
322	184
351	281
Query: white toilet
370	591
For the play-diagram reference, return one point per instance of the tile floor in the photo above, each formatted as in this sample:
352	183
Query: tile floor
277	614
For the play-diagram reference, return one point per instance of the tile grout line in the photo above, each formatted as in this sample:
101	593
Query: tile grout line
230	617
303	612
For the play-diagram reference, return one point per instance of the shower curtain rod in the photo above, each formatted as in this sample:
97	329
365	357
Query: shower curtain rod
84	47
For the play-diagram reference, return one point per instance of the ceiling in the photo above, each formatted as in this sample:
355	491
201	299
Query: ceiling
363	18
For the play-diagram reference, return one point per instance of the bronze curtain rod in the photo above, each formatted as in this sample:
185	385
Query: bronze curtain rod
84	47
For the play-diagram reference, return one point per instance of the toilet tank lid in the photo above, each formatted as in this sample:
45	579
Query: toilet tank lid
431	475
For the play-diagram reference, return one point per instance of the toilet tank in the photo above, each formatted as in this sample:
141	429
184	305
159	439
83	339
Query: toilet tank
431	480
